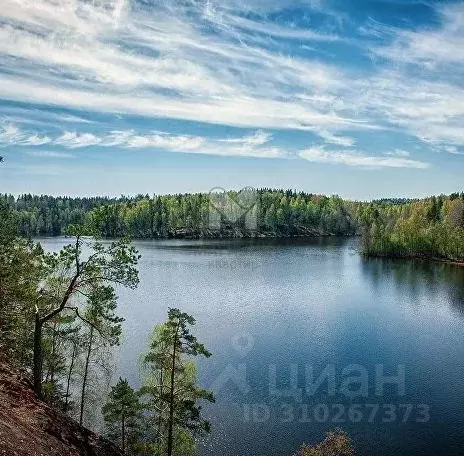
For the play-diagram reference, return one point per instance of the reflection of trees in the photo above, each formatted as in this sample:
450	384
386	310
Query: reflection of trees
413	278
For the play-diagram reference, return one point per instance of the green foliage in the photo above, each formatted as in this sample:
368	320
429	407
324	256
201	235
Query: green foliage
68	298
44	296
57	337
432	227
57	309
50	216
73	275
104	330
170	388
21	270
279	213
122	415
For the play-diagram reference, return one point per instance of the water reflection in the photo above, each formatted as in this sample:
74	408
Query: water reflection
415	278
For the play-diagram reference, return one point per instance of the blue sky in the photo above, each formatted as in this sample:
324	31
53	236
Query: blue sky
363	98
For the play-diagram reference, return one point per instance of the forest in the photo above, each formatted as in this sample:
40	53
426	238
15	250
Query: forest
430	227
279	213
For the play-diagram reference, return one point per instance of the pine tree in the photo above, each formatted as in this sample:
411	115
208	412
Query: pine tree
71	276
21	270
171	386
104	330
122	414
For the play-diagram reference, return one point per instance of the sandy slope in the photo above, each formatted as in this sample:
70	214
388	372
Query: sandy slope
30	427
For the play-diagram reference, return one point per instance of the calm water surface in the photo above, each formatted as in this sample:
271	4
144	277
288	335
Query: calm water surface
283	307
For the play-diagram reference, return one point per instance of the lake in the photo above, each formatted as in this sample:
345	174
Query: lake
285	320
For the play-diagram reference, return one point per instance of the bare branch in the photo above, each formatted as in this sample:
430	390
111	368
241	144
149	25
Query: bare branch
76	310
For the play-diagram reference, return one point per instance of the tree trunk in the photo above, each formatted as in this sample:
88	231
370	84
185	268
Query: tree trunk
123	435
68	382
171	396
160	418
84	381
52	358
37	369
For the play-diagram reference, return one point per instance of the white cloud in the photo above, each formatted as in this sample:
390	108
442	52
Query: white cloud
257	139
49	154
38	117
339	140
398	153
257	144
11	134
246	146
431	48
349	158
423	94
254	145
238	111
181	143
265	6
75	140
272	29
453	150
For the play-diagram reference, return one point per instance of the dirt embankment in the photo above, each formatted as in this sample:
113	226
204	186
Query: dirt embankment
30	427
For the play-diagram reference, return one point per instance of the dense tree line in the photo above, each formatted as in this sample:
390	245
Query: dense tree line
277	212
390	227
50	216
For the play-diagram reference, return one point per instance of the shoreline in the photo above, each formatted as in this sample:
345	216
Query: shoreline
219	236
416	257
183	235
